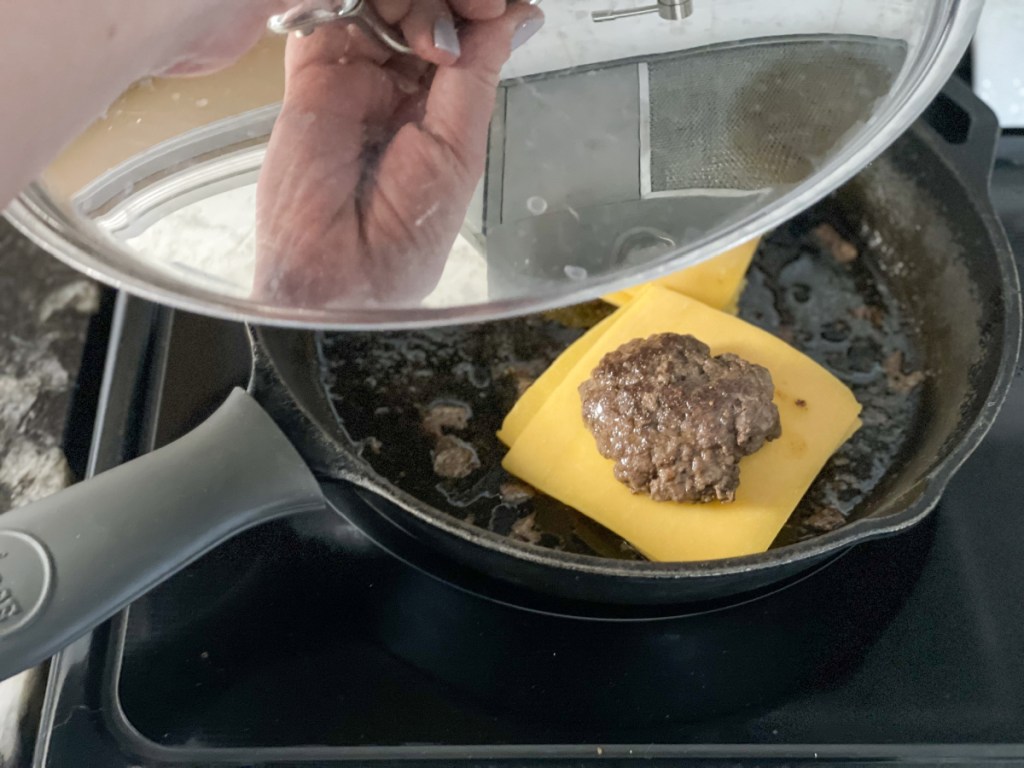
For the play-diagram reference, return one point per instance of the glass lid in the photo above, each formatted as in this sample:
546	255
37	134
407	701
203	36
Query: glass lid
334	178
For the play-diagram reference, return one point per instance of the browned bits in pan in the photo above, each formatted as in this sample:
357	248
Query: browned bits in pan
842	250
454	458
898	380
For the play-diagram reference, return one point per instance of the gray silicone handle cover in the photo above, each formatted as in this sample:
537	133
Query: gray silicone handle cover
71	561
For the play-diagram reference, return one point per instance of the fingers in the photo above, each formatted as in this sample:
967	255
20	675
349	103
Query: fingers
427	176
431	28
479	10
427	25
392	11
461	102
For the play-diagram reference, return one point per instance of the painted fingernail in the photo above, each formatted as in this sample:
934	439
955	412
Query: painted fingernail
446	38
526	30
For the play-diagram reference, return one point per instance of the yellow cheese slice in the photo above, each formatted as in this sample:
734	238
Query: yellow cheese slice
556	453
717	282
534	398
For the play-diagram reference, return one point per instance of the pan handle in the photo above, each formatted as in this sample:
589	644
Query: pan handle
968	128
71	561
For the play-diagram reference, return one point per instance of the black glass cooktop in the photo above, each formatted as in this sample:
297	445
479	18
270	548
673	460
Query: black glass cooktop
302	643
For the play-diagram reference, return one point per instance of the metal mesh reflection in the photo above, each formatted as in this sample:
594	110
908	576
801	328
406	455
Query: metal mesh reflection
755	116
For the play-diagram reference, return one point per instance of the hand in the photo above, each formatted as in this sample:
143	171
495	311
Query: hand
375	157
429	26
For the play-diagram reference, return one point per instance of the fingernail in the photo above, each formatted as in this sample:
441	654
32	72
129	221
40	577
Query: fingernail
526	30
446	38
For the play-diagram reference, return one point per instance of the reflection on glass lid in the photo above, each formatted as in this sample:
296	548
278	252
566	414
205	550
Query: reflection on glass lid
575	148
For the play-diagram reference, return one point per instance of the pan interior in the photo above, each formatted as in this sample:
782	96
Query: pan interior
852	316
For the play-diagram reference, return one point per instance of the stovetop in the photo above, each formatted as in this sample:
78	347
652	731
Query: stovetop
301	642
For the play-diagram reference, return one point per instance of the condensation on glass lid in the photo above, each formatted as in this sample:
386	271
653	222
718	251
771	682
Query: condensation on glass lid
607	153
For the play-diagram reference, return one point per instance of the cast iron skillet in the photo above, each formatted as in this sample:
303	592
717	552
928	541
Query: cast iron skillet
69	562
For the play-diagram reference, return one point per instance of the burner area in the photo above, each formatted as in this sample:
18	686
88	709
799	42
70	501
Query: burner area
342	645
302	642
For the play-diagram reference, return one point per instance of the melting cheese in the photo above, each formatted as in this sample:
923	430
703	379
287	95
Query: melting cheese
554	452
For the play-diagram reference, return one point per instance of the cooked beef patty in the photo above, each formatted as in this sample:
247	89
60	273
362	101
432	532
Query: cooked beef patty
676	419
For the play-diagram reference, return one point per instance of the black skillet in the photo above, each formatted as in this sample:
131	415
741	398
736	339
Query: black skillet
948	286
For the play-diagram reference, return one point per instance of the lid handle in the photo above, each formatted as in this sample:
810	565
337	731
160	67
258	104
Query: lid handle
670	10
305	18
